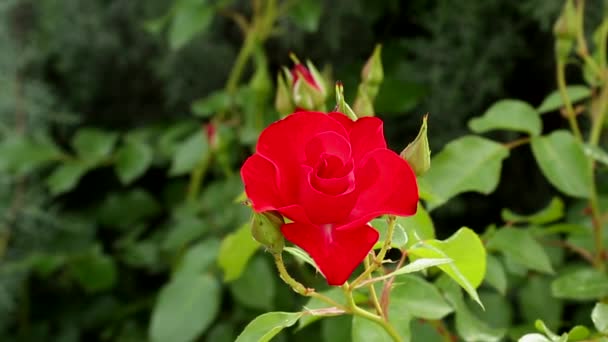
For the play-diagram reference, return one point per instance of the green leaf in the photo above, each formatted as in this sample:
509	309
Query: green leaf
307	14
337	328
554	100
302	256
416	266
189	153
213	103
466	250
93	145
183	231
65	177
21	154
468	326
125	209
236	250
417	227
578	333
599	316
562	160
266	326
185	308
94	271
535	301
419	297
495	274
198	258
520	246
255	288
399	238
190	18
596	152
511	115
469	163
553	212
581	284
133	158
364	330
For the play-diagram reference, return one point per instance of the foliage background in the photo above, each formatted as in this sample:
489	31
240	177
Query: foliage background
88	264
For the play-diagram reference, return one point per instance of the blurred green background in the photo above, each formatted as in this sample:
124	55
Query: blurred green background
85	253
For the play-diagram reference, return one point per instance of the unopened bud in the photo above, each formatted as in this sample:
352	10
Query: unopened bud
566	26
418	153
363	104
373	73
283	102
266	229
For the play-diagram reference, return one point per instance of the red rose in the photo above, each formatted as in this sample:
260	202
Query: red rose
330	176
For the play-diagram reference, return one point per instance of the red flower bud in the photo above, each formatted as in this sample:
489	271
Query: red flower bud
300	71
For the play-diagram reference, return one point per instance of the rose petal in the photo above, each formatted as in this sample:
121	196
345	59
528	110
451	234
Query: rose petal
323	207
329	143
366	134
336	252
283	142
386	185
343	119
260	177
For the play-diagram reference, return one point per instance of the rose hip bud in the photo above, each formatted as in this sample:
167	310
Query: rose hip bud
266	229
417	153
308	89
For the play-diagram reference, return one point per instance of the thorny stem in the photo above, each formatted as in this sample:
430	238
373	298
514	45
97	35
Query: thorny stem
357	311
298	287
380	257
372	289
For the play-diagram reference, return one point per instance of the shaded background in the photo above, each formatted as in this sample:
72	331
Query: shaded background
95	63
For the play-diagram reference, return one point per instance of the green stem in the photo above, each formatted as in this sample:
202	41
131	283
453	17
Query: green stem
602	44
372	289
380	257
594	138
196	179
241	61
357	311
298	287
570	115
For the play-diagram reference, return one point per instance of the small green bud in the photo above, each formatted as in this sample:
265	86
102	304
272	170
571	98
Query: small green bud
566	26
417	153
363	104
283	102
266	229
373	73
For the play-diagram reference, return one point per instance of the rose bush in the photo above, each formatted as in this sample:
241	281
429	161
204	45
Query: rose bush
330	176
